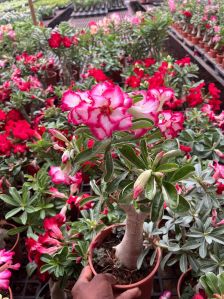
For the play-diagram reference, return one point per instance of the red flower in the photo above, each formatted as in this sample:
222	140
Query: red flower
13	115
220	188
138	72
214	91
149	62
19	148
55	40
2	116
22	130
195	96
52	225
183	61
67	42
75	200
187	14
133	81
186	149
97	74
5	144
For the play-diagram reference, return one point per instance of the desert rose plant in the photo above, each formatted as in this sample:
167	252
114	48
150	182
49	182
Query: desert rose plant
128	139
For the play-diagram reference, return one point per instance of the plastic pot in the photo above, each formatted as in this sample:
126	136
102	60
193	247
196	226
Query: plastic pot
51	78
181	282
145	285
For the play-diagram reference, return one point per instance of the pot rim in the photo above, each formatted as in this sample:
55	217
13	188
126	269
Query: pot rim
123	286
180	281
4	222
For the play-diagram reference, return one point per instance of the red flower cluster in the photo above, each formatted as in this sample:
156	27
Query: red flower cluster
57	40
16	131
187	13
214	101
97	74
76	200
47	243
183	61
195	96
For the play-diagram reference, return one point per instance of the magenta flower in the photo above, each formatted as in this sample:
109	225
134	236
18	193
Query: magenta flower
218	171
58	176
162	94
4	279
104	109
170	123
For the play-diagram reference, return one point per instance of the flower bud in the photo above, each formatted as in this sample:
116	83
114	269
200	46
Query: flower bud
141	182
58	135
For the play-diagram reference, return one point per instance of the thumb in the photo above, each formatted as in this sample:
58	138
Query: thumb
130	294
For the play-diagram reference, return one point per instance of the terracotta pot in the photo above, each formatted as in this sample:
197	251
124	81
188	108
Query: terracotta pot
201	44
212	53
194	40
207	47
223	63
145	285
219	58
181	281
189	37
4	224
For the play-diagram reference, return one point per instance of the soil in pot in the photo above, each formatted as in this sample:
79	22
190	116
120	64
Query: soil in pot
5	293
104	260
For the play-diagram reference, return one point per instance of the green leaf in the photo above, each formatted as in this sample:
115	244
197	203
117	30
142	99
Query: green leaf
169	167
212	282
150	190
203	281
109	166
9	200
46	268
113	185
170	195
141	257
24	217
16	230
128	152
88	154
127	194
182	173
15	194
221	283
183	263
31	268
142	123
183	206
157	207
13	212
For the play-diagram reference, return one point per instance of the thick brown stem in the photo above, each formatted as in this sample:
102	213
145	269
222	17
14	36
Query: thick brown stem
56	290
128	251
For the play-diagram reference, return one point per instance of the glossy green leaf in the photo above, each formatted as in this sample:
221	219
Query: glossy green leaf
109	166
170	195
168	167
128	152
182	173
141	123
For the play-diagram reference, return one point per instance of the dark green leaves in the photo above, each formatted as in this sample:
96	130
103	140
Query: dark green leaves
182	173
128	153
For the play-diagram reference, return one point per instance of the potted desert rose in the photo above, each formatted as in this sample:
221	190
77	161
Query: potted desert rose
137	167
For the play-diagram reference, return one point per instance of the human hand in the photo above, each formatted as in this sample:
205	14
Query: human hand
100	287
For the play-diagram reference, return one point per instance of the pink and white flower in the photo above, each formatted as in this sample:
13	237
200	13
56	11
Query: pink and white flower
170	123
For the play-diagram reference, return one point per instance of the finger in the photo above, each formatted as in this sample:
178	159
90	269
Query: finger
86	275
130	294
105	278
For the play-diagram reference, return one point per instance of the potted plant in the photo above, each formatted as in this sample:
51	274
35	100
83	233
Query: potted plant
136	174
